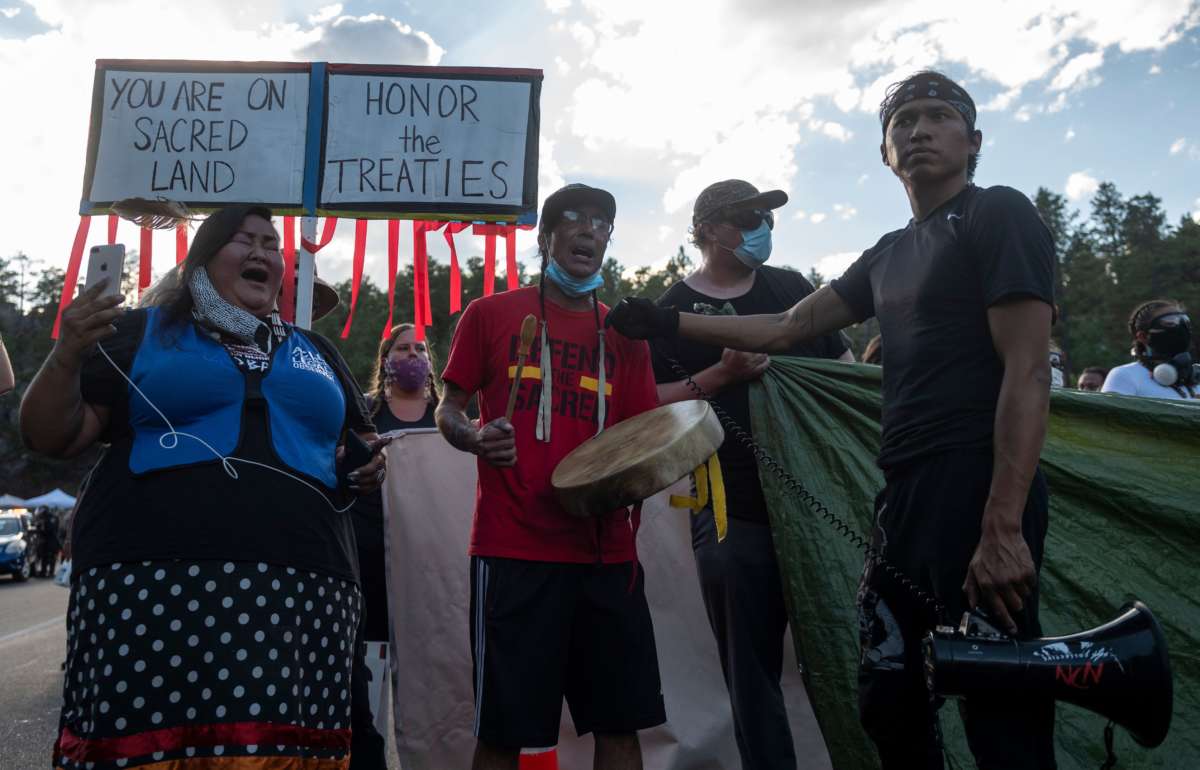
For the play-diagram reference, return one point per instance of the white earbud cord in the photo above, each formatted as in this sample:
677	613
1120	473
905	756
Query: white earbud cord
170	440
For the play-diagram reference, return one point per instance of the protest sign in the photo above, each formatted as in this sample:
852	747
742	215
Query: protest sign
205	134
441	142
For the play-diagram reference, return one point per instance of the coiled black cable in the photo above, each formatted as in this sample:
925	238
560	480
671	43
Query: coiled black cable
798	490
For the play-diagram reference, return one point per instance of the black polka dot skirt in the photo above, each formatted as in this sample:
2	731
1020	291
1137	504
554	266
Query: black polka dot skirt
207	666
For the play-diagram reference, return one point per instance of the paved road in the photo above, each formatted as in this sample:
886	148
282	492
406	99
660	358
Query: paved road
33	641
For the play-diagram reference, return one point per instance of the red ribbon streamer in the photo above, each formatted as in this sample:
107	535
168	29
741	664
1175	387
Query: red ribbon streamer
68	291
489	232
326	236
512	272
112	229
145	257
422	311
360	253
287	294
455	272
510	258
181	244
393	254
425	290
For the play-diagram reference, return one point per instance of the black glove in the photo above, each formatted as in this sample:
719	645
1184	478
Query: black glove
641	319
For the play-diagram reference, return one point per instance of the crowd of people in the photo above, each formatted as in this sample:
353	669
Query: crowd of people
228	550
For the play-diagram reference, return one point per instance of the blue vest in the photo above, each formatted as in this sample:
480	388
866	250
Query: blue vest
199	388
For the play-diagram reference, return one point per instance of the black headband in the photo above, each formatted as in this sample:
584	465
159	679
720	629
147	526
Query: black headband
928	86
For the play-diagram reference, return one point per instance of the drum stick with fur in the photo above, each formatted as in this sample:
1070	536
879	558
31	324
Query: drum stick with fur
528	329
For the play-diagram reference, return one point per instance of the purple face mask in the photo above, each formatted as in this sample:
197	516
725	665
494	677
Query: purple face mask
407	373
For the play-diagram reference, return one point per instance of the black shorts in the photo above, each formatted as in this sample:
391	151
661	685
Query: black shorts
544	630
927	524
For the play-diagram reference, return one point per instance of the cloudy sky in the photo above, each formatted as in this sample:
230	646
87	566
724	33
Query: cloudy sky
656	99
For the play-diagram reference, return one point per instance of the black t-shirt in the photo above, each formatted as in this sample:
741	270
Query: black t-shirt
369	535
774	291
930	285
198	512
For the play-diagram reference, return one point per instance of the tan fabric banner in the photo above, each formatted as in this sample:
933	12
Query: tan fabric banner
428	503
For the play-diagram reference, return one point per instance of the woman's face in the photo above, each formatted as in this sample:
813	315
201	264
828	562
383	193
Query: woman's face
406	346
248	270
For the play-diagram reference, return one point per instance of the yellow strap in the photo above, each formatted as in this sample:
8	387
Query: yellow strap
701	499
705	473
720	513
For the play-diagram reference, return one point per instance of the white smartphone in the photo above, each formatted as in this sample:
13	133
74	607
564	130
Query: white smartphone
105	262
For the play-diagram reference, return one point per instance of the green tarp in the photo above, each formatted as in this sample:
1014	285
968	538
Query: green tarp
1124	516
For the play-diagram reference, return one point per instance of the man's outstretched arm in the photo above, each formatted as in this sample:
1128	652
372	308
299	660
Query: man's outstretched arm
819	313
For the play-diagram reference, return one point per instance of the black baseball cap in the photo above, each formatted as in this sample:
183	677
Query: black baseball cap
733	194
574	195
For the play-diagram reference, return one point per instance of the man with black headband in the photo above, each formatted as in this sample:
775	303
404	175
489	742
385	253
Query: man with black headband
558	606
964	296
732	225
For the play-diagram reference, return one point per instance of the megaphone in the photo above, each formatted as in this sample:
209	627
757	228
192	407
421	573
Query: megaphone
1119	670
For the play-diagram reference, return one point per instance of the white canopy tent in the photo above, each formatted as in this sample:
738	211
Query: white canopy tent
11	501
55	499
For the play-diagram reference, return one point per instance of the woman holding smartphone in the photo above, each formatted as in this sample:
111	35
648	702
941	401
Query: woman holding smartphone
214	601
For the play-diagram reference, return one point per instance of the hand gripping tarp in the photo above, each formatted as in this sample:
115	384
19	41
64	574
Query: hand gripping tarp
1124	522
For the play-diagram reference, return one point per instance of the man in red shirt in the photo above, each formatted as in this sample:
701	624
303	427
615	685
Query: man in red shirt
558	606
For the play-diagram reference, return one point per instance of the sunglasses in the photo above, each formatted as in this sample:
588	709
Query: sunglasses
748	219
600	225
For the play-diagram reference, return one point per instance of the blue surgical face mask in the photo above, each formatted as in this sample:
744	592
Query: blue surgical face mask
569	284
755	248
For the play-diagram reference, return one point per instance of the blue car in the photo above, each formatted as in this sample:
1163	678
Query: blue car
14	547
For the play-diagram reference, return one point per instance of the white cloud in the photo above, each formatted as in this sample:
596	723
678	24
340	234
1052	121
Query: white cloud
550	176
1196	211
1178	145
818	218
1155	69
800	215
762	151
1078	72
664	232
1069	135
844	211
10	13
833	265
832	130
650	87
1001	101
1024	113
583	34
673	93
1081	185
372	38
63	58
325	14
862	179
